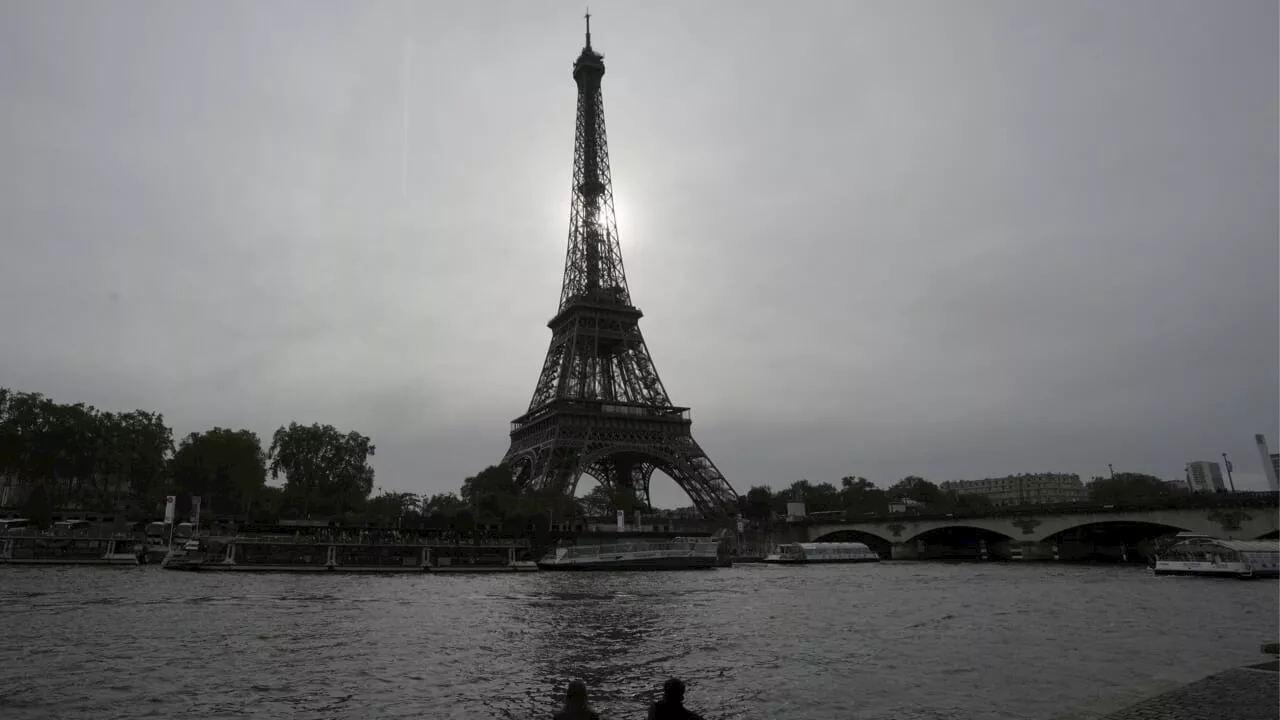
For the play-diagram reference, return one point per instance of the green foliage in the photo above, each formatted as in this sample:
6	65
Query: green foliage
861	496
597	502
326	471
914	487
1128	488
391	508
758	503
271	502
443	505
226	468
78	456
489	486
605	500
37	508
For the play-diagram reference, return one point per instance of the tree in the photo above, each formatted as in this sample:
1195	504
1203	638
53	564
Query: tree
144	443
860	496
823	497
325	470
966	502
37	507
443	505
390	508
597	502
495	481
226	468
914	487
270	502
758	503
1128	488
82	457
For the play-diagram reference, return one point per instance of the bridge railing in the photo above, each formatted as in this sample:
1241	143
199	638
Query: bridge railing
1176	502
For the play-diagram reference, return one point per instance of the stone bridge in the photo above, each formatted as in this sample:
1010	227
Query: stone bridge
1031	535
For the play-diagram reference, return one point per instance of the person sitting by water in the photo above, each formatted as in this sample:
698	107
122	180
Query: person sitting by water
575	704
671	706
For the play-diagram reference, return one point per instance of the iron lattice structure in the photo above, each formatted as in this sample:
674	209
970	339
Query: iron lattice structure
599	407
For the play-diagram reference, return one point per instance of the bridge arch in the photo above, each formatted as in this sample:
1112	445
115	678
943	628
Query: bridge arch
634	464
1121	528
1112	540
955	541
957	529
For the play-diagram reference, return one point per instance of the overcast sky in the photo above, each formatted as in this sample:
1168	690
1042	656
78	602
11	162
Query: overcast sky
948	239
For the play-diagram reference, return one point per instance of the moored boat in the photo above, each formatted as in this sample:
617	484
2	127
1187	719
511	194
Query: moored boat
675	554
810	553
68	550
1192	554
309	554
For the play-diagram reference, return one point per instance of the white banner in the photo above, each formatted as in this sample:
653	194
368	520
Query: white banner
622	521
169	504
195	509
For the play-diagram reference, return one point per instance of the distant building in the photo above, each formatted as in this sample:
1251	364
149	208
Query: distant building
1029	489
1176	485
1270	463
1205	476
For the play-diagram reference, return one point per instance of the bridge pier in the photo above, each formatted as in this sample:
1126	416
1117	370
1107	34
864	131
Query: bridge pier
906	551
1038	551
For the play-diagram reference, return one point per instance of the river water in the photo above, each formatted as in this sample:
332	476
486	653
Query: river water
896	640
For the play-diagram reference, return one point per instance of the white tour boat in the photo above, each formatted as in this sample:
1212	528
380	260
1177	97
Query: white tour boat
837	552
1192	554
677	554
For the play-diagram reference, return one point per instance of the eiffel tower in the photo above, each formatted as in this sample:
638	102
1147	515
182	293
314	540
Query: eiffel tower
599	407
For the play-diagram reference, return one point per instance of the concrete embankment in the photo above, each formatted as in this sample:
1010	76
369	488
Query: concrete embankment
1245	693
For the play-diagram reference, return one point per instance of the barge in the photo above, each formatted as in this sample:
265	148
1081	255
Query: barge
69	550
676	554
305	554
1192	554
810	553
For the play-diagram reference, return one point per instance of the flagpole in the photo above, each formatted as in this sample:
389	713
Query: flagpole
170	502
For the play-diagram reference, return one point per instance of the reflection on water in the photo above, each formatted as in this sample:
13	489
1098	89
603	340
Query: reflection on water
898	640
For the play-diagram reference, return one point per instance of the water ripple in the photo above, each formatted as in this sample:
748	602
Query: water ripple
898	640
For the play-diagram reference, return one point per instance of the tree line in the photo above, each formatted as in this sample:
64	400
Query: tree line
858	495
75	456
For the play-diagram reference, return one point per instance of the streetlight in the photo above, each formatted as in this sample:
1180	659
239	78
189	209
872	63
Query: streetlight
1113	471
1229	479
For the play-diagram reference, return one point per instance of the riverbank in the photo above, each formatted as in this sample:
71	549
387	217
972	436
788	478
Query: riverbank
1246	693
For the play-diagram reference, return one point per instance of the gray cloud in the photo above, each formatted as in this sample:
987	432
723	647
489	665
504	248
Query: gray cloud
951	240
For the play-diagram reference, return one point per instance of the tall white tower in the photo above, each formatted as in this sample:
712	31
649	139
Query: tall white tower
1268	466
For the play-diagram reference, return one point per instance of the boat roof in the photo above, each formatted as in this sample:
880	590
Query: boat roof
1237	545
833	545
1251	545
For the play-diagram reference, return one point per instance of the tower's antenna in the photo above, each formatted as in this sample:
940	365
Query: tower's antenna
588	27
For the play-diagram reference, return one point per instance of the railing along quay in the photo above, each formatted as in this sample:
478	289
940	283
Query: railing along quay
340	540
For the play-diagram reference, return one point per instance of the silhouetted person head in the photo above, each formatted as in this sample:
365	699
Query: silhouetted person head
671	706
575	703
575	698
673	691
